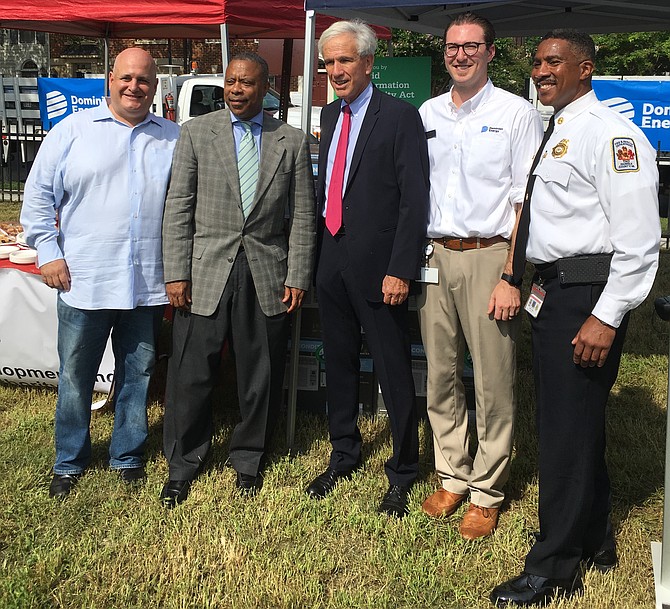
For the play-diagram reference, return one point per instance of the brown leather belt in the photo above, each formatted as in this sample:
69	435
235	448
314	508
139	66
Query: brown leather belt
469	243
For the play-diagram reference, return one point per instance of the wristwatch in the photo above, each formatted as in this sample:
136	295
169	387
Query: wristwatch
510	279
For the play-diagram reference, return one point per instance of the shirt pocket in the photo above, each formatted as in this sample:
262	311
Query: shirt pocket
555	178
488	155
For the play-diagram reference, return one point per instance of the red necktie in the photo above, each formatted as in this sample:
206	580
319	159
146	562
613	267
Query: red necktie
334	208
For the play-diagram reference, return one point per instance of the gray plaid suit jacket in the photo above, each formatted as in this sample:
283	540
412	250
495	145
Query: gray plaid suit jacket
203	225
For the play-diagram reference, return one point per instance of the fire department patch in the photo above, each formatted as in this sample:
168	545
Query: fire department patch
624	154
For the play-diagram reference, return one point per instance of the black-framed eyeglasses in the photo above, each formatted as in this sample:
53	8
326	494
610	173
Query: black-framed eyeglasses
469	48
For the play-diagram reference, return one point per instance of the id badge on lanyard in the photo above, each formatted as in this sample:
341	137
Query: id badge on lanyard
535	300
428	274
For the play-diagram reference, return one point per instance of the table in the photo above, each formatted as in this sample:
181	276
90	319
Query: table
29	331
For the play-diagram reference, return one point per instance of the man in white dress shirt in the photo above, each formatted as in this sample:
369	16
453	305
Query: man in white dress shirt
594	238
481	142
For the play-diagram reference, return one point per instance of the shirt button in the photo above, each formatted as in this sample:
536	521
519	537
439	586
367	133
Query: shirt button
230	259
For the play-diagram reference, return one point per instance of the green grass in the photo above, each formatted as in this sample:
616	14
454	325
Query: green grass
9	212
13	185
110	547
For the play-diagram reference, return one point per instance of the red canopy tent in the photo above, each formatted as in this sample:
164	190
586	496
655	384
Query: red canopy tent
163	19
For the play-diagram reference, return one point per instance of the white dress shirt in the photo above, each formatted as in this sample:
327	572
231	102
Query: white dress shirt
588	199
480	156
95	197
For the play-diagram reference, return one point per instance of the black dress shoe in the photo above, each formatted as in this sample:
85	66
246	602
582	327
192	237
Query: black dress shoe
603	561
131	475
324	483
62	484
527	589
248	485
174	492
394	502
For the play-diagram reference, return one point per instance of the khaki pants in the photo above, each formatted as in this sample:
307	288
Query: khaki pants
453	313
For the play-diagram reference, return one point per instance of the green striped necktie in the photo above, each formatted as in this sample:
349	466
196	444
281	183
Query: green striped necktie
247	166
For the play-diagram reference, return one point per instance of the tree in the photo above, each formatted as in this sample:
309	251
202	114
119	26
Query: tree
509	69
640	53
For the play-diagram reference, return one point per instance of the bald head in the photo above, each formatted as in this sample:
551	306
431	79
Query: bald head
137	56
132	85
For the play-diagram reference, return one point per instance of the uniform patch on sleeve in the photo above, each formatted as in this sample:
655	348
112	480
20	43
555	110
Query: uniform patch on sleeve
624	154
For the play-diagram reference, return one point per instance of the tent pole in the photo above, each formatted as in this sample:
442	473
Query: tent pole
308	71
225	51
306	119
285	89
106	66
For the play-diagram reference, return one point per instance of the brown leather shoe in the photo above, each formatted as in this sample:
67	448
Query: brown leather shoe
442	503
479	521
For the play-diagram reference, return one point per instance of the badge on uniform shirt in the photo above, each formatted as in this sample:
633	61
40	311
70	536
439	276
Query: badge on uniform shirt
560	149
624	154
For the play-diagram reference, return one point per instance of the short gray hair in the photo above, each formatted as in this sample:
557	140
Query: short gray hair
366	39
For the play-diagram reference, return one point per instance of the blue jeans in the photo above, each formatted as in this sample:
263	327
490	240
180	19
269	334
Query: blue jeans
82	336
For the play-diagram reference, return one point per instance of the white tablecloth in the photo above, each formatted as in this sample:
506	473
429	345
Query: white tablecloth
28	334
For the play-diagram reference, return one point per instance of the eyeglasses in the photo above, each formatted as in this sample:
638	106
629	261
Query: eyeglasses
469	48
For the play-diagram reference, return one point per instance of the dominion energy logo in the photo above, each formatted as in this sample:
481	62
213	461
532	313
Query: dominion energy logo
58	104
652	116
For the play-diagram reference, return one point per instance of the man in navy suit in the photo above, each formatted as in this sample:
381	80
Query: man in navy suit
372	209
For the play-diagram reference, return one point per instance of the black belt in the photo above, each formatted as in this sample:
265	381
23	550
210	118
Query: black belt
546	271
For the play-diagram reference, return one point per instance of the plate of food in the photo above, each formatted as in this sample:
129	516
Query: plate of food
8	231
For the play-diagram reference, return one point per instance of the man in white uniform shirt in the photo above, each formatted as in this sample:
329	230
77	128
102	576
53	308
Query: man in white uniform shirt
93	208
481	142
594	239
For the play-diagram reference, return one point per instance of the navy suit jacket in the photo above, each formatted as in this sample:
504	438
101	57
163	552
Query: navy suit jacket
386	198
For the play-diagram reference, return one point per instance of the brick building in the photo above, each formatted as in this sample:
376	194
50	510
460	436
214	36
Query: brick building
29	53
24	53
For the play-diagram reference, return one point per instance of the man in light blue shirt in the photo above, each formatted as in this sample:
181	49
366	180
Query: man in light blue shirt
93	209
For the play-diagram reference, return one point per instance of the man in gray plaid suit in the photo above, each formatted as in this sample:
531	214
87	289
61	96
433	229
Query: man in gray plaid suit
238	252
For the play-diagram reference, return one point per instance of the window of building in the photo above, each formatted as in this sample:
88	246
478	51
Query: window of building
29	69
26	37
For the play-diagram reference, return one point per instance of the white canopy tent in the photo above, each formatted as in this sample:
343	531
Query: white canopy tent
509	17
